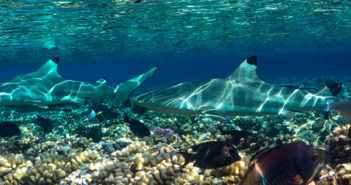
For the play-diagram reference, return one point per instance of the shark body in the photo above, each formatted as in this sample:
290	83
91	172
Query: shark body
241	93
46	87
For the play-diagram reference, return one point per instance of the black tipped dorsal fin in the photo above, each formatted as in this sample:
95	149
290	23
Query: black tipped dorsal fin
101	80
246	70
49	68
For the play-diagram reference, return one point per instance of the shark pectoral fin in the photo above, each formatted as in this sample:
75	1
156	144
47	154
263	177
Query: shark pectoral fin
287	114
124	89
80	100
37	103
216	115
41	106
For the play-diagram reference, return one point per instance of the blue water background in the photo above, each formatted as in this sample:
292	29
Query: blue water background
316	63
190	40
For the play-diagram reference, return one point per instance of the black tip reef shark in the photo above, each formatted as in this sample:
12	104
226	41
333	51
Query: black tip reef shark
241	93
46	87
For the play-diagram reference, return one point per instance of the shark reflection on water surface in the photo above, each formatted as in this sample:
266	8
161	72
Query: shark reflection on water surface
241	93
46	87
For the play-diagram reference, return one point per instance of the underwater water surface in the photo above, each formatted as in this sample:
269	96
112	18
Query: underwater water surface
105	138
203	33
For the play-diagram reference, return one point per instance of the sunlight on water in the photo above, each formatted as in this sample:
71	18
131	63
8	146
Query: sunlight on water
137	28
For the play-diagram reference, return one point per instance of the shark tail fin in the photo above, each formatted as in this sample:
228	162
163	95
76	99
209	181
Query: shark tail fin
344	107
334	87
125	89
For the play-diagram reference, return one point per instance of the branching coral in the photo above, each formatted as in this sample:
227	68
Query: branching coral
13	168
234	172
51	167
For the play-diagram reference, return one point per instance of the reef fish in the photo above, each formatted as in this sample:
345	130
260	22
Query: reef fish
138	128
241	93
46	87
212	154
294	163
9	129
46	124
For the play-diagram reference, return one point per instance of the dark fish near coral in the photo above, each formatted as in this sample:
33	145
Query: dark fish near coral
212	154
9	129
45	123
137	127
349	133
294	163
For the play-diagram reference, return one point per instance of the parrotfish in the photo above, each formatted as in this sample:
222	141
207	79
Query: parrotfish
241	93
212	154
287	164
46	87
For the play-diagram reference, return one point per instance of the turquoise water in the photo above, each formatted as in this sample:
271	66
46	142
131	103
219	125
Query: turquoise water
125	30
291	37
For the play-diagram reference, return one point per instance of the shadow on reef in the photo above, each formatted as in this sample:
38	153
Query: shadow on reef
92	131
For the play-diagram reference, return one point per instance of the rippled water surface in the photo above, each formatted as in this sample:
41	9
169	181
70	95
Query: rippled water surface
129	29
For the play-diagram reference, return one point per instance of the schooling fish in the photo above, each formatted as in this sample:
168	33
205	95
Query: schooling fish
287	164
137	127
212	154
9	129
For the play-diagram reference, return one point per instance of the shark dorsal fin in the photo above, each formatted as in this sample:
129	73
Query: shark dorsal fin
49	68
101	80
246	71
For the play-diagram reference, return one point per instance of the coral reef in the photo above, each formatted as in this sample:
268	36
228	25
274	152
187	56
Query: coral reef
13	169
52	167
339	145
233	173
344	173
